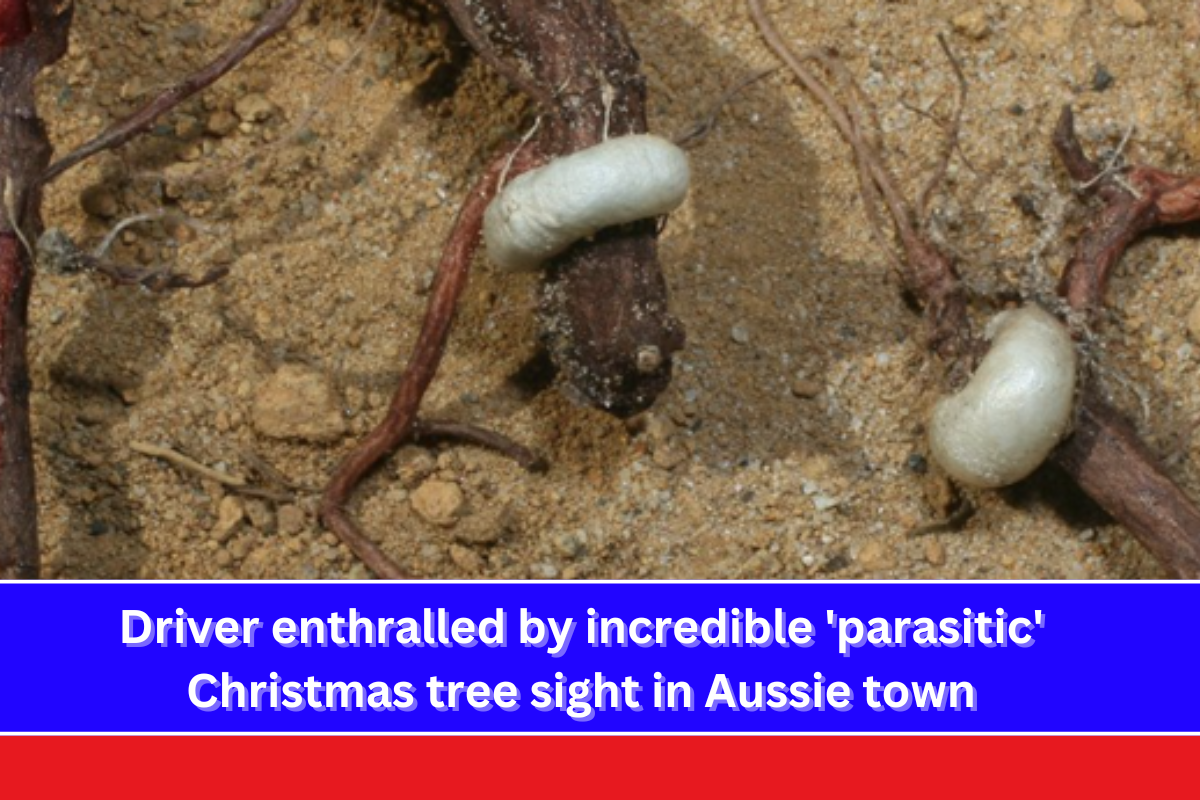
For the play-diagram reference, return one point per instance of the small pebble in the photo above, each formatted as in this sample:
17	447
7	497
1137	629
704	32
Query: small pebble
466	559
740	334
230	514
339	50
805	389
254	108
439	502
487	527
298	403
570	544
260	515
290	520
669	455
416	469
824	502
188	128
221	123
972	23
935	552
1131	13
875	556
254	10
57	252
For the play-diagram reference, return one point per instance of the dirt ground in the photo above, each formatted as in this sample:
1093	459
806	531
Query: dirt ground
326	172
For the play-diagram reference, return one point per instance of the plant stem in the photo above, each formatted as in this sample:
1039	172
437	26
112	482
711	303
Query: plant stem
23	151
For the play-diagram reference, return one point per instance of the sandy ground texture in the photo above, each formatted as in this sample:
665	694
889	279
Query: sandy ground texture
326	172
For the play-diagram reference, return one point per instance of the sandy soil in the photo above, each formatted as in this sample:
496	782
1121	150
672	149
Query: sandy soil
791	442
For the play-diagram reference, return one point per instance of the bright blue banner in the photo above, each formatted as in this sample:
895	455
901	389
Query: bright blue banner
681	657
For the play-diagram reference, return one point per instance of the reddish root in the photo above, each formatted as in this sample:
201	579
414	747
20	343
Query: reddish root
400	424
1133	204
153	280
14	22
926	271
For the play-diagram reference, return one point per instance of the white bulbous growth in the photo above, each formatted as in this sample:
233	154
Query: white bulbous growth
543	212
1016	407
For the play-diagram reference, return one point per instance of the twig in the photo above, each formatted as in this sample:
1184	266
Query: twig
153	280
144	118
11	217
189	464
272	475
526	139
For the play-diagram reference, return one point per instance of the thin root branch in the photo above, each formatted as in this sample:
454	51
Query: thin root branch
1135	201
428	431
953	131
153	280
926	271
144	118
697	133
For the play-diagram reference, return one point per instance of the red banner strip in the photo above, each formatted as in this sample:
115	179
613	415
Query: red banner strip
302	766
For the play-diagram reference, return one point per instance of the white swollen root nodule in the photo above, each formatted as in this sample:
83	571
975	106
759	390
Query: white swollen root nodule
543	212
1016	407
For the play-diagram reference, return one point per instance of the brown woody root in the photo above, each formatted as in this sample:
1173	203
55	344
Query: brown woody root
604	301
18	504
1108	460
33	36
1104	455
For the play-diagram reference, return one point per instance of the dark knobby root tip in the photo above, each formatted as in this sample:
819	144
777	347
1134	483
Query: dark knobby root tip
626	382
